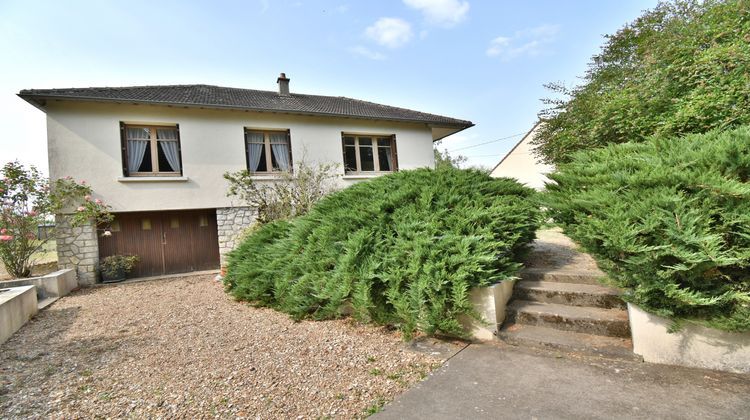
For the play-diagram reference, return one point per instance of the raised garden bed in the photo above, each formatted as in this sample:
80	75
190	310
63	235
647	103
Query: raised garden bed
693	345
17	305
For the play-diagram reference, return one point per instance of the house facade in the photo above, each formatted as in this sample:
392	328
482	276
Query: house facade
522	163
157	155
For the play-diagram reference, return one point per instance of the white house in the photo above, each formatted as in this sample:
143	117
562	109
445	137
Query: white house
157	155
522	163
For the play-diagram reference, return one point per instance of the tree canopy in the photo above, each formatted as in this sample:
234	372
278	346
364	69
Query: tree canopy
682	67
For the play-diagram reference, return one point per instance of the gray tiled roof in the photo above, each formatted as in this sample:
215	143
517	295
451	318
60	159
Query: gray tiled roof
234	98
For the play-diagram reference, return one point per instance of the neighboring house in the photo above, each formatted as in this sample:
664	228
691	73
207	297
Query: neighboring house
157	155
522	164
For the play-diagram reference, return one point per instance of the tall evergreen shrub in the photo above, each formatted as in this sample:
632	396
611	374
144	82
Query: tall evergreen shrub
403	249
668	220
681	68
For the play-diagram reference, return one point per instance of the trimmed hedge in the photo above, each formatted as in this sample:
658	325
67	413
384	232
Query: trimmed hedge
402	249
668	220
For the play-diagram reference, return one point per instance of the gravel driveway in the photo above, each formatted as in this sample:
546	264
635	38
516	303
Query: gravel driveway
183	348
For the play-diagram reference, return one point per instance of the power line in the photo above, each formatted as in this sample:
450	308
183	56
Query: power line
487	142
478	156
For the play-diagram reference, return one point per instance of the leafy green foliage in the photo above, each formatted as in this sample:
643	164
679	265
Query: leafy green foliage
289	194
112	265
402	249
683	67
668	220
444	159
28	200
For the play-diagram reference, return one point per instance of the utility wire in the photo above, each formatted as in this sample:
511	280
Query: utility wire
487	142
478	156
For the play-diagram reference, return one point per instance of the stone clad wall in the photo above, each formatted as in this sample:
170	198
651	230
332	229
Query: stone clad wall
231	222
77	248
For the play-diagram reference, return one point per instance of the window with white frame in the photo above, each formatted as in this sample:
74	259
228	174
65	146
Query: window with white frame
268	151
150	150
369	153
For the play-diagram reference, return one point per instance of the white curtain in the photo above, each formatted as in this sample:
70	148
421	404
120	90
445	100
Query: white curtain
138	139
170	149
389	156
254	150
280	150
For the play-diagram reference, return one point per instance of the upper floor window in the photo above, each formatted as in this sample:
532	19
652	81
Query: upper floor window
268	151
151	150
369	153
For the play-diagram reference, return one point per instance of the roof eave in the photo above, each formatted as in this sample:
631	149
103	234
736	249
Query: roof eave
459	128
38	101
38	104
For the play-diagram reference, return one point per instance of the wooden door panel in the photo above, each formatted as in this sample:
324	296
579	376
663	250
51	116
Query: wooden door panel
176	242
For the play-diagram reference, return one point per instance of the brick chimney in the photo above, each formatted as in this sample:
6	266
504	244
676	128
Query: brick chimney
283	84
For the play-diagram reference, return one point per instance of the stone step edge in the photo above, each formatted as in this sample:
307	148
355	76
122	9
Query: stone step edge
46	302
597	321
571	294
563	276
618	348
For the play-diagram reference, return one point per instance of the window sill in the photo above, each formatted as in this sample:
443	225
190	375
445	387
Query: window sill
365	176
266	177
153	179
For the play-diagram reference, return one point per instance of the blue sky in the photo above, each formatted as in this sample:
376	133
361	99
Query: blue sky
485	61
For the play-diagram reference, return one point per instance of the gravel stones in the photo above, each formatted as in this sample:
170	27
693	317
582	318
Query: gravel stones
183	348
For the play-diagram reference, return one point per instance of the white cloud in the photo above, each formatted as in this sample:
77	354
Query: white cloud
367	53
390	32
445	13
528	42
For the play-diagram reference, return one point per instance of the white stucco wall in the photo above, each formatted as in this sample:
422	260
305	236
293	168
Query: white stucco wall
523	165
84	142
693	345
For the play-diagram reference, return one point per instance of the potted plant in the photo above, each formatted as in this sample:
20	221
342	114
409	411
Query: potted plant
116	267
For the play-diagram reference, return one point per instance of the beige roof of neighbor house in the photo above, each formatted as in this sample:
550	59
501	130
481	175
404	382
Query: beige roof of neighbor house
218	97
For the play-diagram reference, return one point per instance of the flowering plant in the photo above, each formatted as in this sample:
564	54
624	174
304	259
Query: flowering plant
28	200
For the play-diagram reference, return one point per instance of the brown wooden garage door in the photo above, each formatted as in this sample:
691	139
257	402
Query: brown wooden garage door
166	242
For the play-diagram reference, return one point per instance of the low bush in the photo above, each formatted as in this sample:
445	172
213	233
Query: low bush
402	249
668	220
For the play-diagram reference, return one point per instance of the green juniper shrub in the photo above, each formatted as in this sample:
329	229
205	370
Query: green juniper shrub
402	249
668	220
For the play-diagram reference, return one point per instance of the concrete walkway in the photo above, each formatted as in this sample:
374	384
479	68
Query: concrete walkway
498	381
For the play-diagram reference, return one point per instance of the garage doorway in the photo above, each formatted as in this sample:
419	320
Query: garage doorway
166	242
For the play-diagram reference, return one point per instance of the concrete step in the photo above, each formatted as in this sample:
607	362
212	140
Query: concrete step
568	341
562	276
609	322
568	294
44	303
553	250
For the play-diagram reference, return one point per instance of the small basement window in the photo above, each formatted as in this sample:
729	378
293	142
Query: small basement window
369	153
151	150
